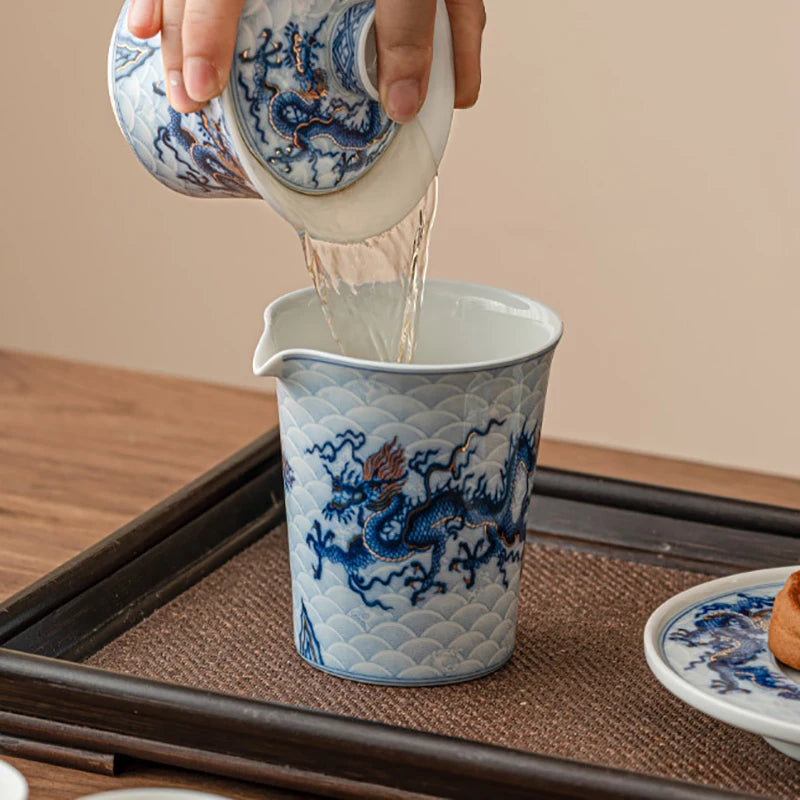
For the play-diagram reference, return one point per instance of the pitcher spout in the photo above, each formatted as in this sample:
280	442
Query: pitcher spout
268	358
293	325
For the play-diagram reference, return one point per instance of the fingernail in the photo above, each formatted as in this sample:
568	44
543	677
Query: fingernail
202	78
140	14
176	93
402	100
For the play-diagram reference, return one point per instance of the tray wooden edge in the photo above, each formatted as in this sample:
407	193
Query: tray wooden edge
45	698
79	706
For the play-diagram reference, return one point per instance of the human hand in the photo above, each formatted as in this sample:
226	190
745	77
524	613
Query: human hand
198	38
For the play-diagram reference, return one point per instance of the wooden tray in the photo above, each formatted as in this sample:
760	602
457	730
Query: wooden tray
56	708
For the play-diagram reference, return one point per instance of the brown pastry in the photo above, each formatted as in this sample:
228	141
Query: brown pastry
784	626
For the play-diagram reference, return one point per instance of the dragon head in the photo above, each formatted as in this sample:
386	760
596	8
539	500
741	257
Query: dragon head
382	477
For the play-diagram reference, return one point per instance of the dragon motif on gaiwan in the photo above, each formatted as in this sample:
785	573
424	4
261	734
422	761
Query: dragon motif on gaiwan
734	635
396	527
194	152
206	157
318	137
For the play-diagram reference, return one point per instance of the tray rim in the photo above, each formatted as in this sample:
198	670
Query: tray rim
37	691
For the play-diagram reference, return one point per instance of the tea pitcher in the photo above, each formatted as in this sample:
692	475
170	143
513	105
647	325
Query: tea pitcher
407	485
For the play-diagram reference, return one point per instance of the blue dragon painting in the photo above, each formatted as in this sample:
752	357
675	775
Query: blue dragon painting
734	636
398	528
195	150
209	163
313	120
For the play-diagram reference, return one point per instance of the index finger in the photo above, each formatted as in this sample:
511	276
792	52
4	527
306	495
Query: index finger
404	40
209	36
467	21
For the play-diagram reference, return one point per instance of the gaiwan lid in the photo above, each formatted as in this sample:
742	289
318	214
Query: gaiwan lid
310	128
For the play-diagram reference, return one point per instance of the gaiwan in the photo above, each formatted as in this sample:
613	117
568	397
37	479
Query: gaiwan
299	123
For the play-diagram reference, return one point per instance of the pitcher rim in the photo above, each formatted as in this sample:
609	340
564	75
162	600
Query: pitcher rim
412	368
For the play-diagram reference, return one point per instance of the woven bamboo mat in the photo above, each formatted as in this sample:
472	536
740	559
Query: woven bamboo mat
577	687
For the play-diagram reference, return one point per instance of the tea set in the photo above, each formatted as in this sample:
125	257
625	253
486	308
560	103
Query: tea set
407	486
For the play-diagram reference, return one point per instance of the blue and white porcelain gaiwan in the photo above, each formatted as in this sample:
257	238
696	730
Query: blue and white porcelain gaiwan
407	485
299	124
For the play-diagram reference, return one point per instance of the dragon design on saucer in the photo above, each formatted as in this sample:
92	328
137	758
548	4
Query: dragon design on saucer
709	646
407	515
729	640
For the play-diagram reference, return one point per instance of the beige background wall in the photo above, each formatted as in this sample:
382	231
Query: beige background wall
635	164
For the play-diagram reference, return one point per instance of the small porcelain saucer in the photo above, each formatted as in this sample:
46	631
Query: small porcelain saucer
12	785
708	646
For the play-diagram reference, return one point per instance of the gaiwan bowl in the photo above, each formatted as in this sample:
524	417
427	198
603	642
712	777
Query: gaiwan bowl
407	485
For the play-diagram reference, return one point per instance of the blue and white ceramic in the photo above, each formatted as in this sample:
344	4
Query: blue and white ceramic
13	785
407	485
708	646
299	124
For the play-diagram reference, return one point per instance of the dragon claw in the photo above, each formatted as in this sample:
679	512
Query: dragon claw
470	564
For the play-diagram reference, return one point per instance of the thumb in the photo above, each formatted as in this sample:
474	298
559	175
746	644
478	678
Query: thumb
404	39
